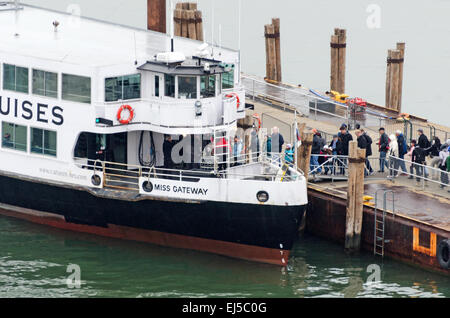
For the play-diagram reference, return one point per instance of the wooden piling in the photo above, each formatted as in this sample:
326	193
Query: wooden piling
401	47
177	19
199	25
184	23
338	45
394	77
355	197
273	51
304	153
388	80
156	15
276	26
271	73
188	21
192	31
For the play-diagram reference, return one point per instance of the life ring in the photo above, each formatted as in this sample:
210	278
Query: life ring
237	98
256	116
443	254
130	117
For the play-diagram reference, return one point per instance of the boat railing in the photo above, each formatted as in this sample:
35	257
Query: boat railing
126	176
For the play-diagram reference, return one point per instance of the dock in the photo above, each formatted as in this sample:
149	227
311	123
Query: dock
416	217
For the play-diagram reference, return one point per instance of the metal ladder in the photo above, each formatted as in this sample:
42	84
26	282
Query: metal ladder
379	222
221	153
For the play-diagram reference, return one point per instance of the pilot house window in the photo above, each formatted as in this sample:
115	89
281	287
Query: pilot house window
169	85
123	87
208	86
14	136
76	88
43	142
45	83
15	78
228	79
187	87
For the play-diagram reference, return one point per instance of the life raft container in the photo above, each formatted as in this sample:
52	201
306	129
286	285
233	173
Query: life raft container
238	102
130	117
443	254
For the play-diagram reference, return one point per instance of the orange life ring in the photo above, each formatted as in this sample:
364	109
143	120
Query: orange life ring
237	98
256	116
130	117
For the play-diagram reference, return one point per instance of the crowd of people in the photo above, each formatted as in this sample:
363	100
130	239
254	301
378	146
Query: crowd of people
394	155
332	158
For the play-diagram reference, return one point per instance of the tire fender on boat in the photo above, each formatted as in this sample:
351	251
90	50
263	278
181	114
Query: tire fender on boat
443	254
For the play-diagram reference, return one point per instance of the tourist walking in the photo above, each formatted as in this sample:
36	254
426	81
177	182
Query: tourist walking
393	157
402	150
383	147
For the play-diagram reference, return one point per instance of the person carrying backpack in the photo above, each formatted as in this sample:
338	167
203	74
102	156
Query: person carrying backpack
402	150
418	157
383	147
368	151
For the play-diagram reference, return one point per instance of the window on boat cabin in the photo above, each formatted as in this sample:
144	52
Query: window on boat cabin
14	136
43	142
45	83
187	87
76	88
228	78
123	87
157	86
207	86
169	85
15	78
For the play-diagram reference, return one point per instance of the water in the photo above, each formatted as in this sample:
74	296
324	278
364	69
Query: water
34	260
306	27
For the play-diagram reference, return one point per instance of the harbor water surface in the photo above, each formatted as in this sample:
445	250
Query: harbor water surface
34	260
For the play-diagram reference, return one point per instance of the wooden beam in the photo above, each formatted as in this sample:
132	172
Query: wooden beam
401	47
304	153
276	26
355	193
156	15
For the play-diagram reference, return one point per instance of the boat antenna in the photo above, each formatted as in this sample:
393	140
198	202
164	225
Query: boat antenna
171	27
239	39
135	49
212	28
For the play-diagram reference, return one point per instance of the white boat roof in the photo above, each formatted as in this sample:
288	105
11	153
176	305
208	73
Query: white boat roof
86	41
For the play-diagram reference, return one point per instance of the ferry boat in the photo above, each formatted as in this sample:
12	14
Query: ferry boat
87	108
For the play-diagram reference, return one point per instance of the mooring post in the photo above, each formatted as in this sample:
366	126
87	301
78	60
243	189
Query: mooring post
304	153
156	15
271	72
356	162
401	47
394	77
276	26
338	46
188	21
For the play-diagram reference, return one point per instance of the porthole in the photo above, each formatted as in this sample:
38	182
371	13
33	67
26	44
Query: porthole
262	196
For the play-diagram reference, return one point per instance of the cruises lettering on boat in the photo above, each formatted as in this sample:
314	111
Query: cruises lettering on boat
42	112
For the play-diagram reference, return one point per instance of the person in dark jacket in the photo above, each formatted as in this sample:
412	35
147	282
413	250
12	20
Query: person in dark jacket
317	146
167	151
433	151
368	151
346	137
423	141
402	150
383	147
418	158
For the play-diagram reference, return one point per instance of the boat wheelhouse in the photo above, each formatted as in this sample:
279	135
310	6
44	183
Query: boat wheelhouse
86	110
